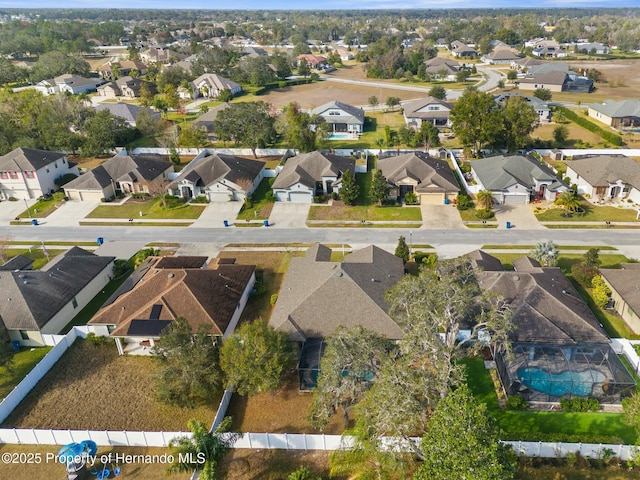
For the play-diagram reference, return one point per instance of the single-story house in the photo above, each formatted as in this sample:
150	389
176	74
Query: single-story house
459	49
314	61
525	63
431	179
68	83
555	332
126	87
516	179
207	120
30	173
542	108
442	68
127	111
556	81
218	177
621	115
318	295
624	283
212	295
500	56
211	84
595	48
121	68
606	177
344	53
427	109
309	174
160	54
342	118
39	302
121	173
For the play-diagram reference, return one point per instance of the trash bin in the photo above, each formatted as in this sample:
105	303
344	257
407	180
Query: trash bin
265	223
226	223
508	225
15	345
34	221
446	201
100	240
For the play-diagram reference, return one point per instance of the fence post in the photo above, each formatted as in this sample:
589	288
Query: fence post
126	437
305	441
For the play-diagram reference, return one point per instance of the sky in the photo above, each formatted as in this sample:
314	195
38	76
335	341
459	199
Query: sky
317	4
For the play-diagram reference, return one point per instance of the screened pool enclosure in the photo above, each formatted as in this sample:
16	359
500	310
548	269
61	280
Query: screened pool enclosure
547	373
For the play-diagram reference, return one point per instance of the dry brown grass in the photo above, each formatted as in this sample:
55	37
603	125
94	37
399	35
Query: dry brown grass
273	464
283	411
54	470
96	389
576	132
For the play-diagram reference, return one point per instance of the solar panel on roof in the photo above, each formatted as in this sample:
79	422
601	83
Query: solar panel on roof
155	312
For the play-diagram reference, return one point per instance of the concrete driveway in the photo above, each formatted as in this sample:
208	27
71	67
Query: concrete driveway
289	215
441	216
216	213
520	216
70	213
10	210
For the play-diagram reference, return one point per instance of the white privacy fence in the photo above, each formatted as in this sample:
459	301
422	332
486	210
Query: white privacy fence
111	438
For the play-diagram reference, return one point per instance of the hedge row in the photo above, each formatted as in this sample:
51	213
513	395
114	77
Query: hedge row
610	137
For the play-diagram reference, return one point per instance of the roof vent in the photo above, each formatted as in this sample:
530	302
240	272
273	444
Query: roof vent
171	275
26	282
516	278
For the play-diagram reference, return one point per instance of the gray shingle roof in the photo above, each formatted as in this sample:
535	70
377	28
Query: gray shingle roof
354	115
602	170
216	167
309	168
127	111
433	175
547	308
318	296
31	298
139	168
549	78
626	282
411	109
19	262
614	109
28	159
500	172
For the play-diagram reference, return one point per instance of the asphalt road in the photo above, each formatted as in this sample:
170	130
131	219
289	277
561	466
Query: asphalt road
446	242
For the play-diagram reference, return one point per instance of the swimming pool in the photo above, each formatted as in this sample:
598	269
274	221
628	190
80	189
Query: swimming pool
558	384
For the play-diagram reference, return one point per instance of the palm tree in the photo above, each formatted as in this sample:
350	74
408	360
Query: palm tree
485	199
203	450
546	253
569	200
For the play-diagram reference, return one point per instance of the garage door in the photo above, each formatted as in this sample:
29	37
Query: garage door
219	197
85	195
282	196
432	198
299	197
515	199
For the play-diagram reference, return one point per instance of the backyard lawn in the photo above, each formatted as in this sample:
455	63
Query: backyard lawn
591	214
152	208
23	362
93	388
539	425
35	253
368	213
261	202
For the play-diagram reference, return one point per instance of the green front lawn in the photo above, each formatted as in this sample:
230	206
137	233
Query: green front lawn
23	363
42	208
544	424
591	214
152	208
261	202
36	254
367	213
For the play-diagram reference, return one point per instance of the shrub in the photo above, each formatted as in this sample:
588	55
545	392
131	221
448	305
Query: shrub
120	267
579	404
484	214
273	299
411	198
12	199
316	199
269	196
173	202
96	340
258	288
583	274
516	402
140	195
142	255
601	292
463	202
334	195
59	196
200	199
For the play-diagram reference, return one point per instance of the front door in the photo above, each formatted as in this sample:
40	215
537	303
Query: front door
186	192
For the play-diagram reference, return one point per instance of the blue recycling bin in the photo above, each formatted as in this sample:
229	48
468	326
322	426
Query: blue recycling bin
100	240
226	223
265	223
34	221
15	345
446	201
508	225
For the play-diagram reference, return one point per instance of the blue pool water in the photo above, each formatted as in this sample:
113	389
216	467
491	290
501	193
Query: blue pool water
557	384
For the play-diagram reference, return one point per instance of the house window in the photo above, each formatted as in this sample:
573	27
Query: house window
24	335
4	175
64	161
334	113
74	302
29	174
55	164
434	107
14	175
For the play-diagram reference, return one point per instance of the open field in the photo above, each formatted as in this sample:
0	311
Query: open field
93	388
368	213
